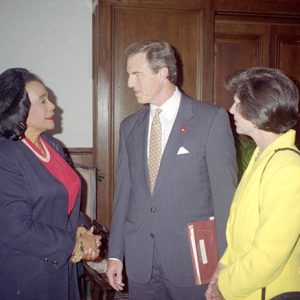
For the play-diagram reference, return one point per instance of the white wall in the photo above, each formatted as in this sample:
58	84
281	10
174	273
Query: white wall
53	39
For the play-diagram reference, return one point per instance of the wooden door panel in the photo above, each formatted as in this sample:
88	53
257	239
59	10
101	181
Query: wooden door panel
286	49
245	56
285	55
238	46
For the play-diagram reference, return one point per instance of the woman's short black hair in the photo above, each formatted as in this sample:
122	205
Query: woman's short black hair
268	98
14	102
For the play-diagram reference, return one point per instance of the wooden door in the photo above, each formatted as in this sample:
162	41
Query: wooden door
187	25
285	54
243	43
238	45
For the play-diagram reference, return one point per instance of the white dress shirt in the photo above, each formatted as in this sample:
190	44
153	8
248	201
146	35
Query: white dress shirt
167	117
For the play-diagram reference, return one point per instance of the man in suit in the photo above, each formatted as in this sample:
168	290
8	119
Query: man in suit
194	178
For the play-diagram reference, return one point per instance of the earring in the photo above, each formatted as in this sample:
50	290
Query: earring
22	125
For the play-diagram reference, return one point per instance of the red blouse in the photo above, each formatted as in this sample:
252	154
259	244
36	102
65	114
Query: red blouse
60	169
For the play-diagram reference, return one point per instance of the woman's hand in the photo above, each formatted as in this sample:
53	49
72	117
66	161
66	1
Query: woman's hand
87	245
213	292
91	244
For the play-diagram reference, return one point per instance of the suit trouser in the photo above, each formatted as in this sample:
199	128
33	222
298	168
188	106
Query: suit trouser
160	288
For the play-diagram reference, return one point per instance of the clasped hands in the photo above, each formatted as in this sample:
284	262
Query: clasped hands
87	245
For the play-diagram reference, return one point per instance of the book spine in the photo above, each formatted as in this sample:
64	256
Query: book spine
195	255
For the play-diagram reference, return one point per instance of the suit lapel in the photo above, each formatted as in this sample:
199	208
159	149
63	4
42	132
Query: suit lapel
175	141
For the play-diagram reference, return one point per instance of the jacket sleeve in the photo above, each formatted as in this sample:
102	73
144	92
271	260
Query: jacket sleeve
19	231
274	238
224	258
222	170
116	237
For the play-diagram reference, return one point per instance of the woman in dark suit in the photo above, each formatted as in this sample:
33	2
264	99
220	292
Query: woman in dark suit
40	237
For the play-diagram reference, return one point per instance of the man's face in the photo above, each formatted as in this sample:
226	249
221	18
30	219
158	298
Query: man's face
146	83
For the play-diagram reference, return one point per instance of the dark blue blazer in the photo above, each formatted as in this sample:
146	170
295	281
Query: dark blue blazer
36	234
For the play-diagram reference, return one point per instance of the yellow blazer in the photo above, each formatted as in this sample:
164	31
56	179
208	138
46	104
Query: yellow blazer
263	227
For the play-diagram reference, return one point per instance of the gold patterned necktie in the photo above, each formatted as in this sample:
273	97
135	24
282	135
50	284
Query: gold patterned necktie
155	148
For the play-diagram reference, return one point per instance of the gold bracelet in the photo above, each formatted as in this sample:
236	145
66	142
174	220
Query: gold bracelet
77	254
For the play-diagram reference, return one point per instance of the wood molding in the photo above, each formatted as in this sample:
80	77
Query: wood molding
83	150
84	156
103	111
169	4
288	8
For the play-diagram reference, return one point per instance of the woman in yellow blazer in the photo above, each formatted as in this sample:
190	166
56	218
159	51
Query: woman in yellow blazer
264	223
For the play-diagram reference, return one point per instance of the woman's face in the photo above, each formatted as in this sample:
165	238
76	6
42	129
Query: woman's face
243	126
41	112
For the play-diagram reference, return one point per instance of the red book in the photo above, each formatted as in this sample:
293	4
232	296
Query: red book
204	249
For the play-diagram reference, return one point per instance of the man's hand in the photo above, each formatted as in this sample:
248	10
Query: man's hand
114	274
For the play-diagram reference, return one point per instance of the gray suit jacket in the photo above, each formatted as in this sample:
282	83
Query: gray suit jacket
189	187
